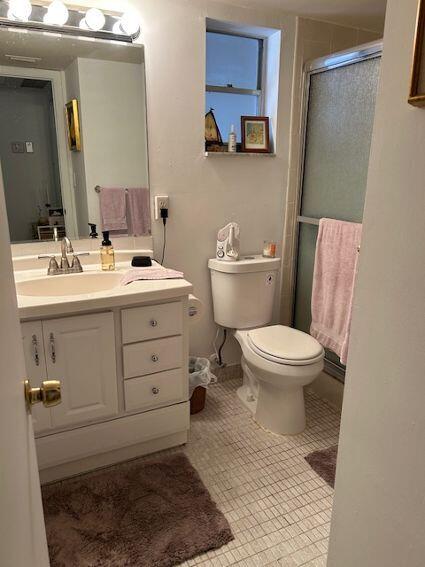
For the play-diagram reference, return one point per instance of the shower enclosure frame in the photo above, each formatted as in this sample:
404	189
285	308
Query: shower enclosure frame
351	56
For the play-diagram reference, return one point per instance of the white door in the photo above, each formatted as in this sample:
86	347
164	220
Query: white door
22	533
35	364
81	351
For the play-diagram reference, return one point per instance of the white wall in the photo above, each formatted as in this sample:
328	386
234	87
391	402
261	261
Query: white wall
29	178
113	125
205	193
379	512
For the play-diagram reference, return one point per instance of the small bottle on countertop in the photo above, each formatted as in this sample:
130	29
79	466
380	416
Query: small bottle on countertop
232	140
107	255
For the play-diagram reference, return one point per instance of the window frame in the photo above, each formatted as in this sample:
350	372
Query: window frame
230	89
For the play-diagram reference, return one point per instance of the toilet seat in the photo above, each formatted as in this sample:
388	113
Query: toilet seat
285	345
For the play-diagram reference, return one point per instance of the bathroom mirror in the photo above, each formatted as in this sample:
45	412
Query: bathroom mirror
72	118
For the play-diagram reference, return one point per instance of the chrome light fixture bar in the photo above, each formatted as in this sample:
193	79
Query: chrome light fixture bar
92	23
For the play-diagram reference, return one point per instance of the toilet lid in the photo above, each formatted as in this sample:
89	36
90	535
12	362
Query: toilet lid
285	345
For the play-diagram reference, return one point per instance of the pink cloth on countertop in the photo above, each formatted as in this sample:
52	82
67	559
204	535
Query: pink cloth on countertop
335	268
113	208
150	273
139	215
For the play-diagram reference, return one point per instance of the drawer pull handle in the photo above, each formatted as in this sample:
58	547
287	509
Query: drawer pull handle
153	323
154	358
34	342
155	390
52	347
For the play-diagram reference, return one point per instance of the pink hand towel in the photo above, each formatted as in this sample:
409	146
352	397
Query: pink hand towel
335	269
152	273
113	208
139	211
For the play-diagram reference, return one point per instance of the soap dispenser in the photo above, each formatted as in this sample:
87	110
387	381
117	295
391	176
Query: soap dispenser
107	255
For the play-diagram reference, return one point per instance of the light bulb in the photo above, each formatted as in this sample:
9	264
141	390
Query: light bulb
95	19
83	24
57	13
20	9
129	23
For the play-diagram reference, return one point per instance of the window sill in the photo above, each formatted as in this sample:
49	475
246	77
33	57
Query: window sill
238	154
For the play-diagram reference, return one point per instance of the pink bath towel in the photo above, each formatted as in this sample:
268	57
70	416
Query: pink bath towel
335	266
139	215
113	208
155	272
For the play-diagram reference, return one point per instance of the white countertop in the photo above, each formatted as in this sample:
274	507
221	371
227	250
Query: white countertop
31	307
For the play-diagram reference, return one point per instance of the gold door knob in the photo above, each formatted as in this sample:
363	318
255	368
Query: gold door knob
49	393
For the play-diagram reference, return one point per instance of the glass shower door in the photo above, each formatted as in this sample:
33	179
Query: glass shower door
341	100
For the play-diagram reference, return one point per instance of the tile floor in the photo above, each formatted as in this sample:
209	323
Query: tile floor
278	507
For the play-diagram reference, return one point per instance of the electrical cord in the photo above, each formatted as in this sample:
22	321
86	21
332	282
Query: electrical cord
164	240
164	216
220	360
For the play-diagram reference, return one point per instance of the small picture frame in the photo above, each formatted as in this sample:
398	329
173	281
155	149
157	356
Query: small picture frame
255	134
73	125
417	83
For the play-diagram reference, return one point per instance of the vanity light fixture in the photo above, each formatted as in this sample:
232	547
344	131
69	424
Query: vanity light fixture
57	14
19	10
128	24
57	18
94	19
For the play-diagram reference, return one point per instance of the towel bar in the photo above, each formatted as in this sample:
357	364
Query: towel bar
315	222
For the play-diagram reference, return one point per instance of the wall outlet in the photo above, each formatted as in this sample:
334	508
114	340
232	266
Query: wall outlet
161	202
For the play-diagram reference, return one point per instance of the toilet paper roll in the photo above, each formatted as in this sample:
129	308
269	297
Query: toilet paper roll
195	309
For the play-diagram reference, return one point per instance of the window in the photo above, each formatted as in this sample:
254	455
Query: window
234	79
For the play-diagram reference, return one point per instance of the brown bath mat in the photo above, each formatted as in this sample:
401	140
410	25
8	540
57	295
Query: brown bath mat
324	463
135	514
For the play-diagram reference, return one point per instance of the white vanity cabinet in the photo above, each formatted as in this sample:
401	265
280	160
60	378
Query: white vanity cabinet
124	382
80	352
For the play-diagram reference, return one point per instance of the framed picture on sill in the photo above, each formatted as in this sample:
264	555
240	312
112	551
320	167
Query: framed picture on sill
73	125
417	83
255	134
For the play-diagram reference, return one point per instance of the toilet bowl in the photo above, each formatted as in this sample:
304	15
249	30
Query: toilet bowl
278	362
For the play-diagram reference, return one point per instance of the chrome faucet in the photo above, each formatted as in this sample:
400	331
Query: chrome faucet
66	248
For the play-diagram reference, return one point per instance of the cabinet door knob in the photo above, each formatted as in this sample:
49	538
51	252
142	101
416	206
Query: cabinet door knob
154	358
153	323
155	390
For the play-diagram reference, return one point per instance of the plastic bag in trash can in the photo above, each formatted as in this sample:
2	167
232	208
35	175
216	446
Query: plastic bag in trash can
200	373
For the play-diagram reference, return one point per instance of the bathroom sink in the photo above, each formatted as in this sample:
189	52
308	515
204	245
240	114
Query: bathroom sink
69	284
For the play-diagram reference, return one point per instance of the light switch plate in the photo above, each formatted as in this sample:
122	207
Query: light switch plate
29	147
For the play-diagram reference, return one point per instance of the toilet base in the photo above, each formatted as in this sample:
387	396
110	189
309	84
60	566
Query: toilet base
281	410
246	397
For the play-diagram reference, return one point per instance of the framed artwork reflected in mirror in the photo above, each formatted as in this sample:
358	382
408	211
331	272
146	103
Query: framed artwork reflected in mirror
417	83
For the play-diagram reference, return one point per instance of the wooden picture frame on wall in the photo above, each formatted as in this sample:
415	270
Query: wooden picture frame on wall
73	125
417	82
255	134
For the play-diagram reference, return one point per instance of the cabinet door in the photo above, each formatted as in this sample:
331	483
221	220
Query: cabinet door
35	363
81	352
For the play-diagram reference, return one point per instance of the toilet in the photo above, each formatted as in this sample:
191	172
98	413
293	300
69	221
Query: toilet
277	361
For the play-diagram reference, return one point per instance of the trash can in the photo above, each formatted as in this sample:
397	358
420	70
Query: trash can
200	376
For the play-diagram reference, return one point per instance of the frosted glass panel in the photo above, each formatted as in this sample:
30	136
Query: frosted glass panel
306	252
339	129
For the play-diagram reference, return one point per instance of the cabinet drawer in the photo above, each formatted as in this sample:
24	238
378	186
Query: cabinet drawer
152	322
152	356
164	388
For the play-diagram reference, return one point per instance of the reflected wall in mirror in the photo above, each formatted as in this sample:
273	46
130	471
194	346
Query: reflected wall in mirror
50	189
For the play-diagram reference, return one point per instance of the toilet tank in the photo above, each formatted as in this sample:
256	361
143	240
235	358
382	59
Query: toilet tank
243	291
